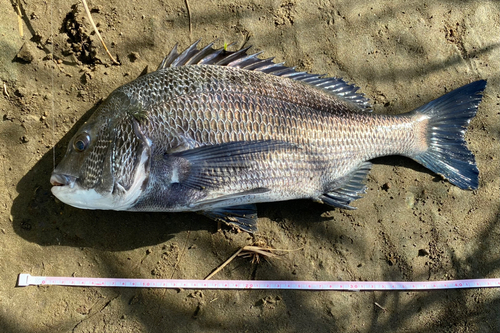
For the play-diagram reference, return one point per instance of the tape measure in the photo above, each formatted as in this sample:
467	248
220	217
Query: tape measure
28	280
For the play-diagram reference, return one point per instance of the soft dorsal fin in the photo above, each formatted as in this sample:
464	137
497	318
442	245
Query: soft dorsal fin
240	59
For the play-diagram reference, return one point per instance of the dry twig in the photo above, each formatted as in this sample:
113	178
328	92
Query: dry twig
250	251
189	17
5	90
97	32
380	306
19	17
224	264
256	252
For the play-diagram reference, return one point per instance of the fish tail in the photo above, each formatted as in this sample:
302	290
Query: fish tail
447	119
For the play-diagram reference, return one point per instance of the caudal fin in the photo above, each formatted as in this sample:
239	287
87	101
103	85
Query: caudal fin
447	152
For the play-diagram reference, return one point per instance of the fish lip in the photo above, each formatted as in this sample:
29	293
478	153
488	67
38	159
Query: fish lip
58	179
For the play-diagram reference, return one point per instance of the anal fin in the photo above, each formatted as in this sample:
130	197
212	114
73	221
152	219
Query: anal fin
349	188
243	217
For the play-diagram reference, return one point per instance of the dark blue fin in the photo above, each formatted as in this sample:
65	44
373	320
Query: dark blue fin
243	217
211	166
349	189
447	153
240	59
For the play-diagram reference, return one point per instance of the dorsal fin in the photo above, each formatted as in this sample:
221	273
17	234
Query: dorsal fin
240	59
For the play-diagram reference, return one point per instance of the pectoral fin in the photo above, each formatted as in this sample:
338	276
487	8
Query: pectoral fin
212	166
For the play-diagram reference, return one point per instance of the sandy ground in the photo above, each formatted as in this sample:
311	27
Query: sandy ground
409	226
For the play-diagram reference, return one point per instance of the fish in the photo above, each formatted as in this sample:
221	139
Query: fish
215	131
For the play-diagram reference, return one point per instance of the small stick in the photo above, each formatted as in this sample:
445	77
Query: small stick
5	90
19	17
248	250
189	17
380	306
97	32
256	250
224	264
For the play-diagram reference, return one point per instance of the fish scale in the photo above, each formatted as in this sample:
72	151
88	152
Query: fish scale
284	120
216	131
358	137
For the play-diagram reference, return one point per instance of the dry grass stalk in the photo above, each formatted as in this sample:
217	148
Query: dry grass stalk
97	31
224	264
189	17
256	252
19	17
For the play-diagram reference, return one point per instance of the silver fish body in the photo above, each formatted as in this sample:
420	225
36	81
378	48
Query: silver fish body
216	132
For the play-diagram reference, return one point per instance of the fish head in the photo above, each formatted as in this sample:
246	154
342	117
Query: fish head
107	161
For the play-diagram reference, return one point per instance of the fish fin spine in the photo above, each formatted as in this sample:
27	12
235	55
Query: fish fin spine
209	55
243	217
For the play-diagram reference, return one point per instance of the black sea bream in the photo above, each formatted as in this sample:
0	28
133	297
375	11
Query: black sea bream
214	131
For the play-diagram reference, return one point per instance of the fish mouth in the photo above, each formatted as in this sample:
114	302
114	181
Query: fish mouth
58	179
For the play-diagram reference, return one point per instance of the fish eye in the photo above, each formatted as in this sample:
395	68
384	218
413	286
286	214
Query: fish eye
81	142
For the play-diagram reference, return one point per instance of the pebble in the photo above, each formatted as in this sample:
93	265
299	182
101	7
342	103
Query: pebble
133	56
24	54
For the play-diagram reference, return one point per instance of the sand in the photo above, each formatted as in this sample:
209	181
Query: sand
410	226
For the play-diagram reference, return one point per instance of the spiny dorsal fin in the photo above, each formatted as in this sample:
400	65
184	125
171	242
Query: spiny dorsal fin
240	59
